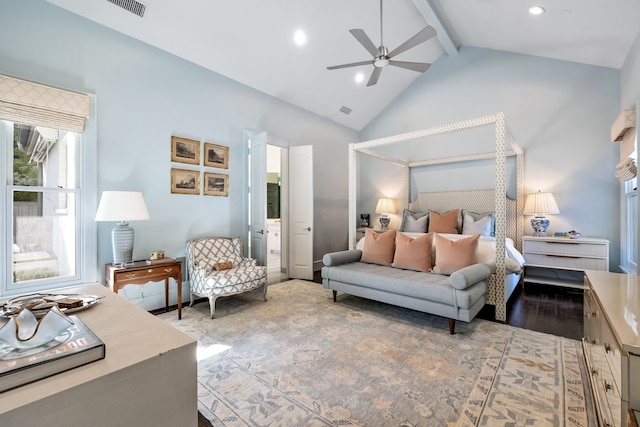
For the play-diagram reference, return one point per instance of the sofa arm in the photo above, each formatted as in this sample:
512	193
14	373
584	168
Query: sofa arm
469	276
342	257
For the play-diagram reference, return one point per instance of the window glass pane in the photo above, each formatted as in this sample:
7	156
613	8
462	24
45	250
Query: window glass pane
632	228
44	235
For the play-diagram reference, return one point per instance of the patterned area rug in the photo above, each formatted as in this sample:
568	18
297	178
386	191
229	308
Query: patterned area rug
302	360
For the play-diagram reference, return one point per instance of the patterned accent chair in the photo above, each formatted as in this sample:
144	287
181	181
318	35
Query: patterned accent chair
206	281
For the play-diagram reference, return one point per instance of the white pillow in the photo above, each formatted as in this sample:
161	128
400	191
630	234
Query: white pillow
481	226
412	225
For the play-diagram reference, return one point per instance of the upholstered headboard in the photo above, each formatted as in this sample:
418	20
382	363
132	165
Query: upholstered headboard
475	201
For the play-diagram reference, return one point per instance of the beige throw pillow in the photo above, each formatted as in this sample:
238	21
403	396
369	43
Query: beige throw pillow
444	223
413	254
378	248
452	255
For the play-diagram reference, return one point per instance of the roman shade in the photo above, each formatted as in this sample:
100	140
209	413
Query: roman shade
34	104
623	131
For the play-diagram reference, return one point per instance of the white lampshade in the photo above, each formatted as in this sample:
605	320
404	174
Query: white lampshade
122	206
386	206
540	203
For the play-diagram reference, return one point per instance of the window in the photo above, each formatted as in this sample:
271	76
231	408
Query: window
47	159
629	253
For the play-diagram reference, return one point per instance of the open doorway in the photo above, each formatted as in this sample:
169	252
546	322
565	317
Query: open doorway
276	213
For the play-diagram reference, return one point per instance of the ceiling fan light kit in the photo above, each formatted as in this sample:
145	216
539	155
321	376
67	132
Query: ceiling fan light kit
382	56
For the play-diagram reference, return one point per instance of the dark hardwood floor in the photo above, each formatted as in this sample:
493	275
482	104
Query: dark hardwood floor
543	308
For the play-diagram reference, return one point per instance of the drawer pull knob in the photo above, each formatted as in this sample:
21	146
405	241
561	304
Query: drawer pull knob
131	275
607	386
594	372
168	270
587	315
607	348
150	270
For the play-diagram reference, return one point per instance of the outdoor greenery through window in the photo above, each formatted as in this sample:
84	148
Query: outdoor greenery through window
43	192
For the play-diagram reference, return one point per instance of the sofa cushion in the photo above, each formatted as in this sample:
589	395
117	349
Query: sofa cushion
452	255
444	223
470	275
413	254
378	247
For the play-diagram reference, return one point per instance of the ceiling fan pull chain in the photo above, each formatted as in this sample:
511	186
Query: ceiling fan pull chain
381	38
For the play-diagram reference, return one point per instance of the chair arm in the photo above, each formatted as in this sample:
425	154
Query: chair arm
247	262
469	276
342	257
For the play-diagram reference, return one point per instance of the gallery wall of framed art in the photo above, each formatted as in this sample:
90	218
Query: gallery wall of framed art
187	179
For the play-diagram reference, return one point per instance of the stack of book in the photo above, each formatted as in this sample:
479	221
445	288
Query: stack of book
76	346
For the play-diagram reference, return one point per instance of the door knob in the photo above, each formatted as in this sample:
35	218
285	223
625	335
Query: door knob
260	232
308	228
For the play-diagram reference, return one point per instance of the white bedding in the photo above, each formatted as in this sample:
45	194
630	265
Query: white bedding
486	253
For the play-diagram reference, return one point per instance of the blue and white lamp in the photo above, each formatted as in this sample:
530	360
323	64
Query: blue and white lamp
539	204
122	206
384	207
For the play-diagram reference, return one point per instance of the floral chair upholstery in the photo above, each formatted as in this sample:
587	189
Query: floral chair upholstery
207	253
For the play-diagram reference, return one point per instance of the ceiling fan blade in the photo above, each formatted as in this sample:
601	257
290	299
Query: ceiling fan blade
420	67
353	64
374	76
365	41
422	36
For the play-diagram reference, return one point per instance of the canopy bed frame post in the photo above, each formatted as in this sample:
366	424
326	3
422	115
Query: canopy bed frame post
497	289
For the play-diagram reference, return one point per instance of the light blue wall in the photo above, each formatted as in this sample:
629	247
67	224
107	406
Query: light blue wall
144	96
560	113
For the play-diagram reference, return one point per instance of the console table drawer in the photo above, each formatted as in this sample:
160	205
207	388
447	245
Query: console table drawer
566	261
567	248
147	273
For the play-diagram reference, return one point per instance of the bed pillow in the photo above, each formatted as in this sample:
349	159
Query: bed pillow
444	223
481	226
414	222
477	217
378	247
452	255
413	254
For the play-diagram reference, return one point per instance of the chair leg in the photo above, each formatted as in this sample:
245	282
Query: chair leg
264	291
452	326
212	305
192	299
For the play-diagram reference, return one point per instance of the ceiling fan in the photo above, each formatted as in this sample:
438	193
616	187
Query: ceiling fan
382	56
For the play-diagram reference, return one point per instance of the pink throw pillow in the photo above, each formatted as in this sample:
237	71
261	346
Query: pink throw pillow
452	255
378	248
444	223
413	254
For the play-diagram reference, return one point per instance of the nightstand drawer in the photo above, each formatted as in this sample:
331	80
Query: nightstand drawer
567	248
566	261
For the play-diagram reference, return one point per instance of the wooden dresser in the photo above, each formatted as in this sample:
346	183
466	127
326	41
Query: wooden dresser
611	344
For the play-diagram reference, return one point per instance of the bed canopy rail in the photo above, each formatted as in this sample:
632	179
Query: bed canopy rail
505	146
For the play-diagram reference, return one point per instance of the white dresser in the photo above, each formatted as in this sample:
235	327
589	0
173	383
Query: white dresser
611	344
562	261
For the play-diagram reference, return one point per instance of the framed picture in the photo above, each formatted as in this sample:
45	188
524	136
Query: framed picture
185	181
185	150
216	156
364	220
216	184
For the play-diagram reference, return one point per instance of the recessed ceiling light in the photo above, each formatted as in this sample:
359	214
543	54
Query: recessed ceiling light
299	37
536	10
359	78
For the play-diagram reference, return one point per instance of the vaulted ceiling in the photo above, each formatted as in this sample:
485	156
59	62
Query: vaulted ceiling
252	41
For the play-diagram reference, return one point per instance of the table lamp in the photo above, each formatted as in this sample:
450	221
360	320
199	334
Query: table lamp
539	204
122	206
384	207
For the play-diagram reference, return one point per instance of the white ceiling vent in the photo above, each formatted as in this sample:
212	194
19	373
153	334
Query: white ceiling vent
132	6
345	109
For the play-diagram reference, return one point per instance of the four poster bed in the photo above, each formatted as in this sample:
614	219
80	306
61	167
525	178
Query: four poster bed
508	213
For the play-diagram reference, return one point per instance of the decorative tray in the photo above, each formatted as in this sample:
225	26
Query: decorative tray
40	303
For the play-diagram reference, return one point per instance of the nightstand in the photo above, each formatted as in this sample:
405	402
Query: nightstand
139	273
561	261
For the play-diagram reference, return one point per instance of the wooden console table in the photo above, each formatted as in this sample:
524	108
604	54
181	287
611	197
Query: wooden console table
139	273
147	379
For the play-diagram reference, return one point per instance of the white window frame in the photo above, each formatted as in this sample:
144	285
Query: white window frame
86	267
629	195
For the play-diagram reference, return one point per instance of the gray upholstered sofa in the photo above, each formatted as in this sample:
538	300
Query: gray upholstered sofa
459	296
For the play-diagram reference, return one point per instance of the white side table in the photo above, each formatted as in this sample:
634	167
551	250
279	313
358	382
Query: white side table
561	261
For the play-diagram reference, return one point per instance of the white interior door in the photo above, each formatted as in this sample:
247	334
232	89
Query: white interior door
301	212
258	198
